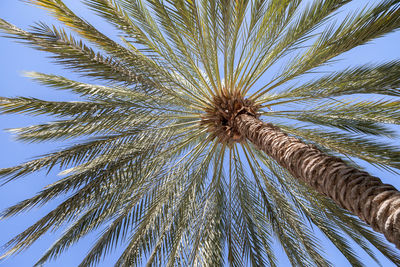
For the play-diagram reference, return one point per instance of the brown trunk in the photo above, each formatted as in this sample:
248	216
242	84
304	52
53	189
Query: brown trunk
372	201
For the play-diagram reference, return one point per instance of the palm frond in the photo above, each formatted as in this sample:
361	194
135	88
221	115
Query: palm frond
367	79
148	146
375	152
250	233
307	243
357	30
368	117
328	217
317	13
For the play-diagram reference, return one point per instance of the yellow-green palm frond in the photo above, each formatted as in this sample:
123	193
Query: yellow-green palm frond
152	163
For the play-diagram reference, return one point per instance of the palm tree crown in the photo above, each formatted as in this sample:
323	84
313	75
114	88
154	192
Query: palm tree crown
169	164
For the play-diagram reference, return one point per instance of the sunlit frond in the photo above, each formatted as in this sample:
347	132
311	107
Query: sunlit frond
327	216
155	161
379	79
368	117
374	152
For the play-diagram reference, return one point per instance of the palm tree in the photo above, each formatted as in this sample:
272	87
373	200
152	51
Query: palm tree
174	160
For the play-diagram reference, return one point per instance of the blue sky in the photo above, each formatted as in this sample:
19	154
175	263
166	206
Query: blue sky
16	58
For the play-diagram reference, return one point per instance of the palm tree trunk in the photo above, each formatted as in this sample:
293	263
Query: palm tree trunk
374	202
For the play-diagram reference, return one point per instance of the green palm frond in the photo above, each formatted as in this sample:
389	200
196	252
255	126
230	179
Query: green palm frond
327	216
374	152
367	117
71	52
294	34
115	93
306	252
152	163
352	32
369	79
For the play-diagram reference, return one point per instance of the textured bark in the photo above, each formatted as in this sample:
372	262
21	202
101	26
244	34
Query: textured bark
374	202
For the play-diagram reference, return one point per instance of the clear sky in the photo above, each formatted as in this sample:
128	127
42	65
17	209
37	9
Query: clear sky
16	58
